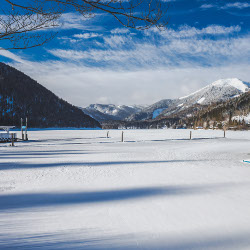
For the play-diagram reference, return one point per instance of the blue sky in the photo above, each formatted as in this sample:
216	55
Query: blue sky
99	61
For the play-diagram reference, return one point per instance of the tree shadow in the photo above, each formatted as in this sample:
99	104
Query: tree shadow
28	200
37	152
43	154
84	241
186	139
19	165
31	200
63	139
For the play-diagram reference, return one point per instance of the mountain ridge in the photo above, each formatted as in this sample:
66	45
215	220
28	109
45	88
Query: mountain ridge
104	112
233	114
218	91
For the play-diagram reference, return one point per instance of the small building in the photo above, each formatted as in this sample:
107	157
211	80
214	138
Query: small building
6	135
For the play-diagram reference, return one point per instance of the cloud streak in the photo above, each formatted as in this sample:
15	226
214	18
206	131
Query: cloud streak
235	5
184	46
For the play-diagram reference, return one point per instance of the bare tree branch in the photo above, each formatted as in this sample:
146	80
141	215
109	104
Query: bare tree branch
22	22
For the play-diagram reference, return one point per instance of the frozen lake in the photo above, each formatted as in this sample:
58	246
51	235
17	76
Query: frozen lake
77	189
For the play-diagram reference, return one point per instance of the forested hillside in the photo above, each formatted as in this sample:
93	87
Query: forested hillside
21	96
225	113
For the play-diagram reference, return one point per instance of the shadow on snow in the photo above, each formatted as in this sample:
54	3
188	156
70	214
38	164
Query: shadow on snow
15	165
74	240
30	200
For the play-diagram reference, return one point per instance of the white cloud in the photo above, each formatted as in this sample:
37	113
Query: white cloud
188	31
72	21
143	54
238	5
116	41
120	31
81	85
235	5
87	35
207	6
76	21
185	46
10	55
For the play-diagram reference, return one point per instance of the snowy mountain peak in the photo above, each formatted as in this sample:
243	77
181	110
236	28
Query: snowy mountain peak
233	82
222	87
105	112
218	91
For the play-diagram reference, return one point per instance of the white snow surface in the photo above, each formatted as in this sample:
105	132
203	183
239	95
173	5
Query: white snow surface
77	189
234	82
201	100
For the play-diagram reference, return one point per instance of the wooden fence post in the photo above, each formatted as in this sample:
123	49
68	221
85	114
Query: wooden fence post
22	128
12	140
122	136
190	135
108	134
26	133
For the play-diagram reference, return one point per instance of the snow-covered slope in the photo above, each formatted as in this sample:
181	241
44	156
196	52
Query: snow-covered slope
104	112
220	90
217	91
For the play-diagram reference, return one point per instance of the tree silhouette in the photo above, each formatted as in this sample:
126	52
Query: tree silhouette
22	22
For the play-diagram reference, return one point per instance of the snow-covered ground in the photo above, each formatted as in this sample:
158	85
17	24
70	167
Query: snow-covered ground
158	190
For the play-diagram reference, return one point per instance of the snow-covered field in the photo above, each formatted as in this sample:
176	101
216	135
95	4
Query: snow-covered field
73	189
